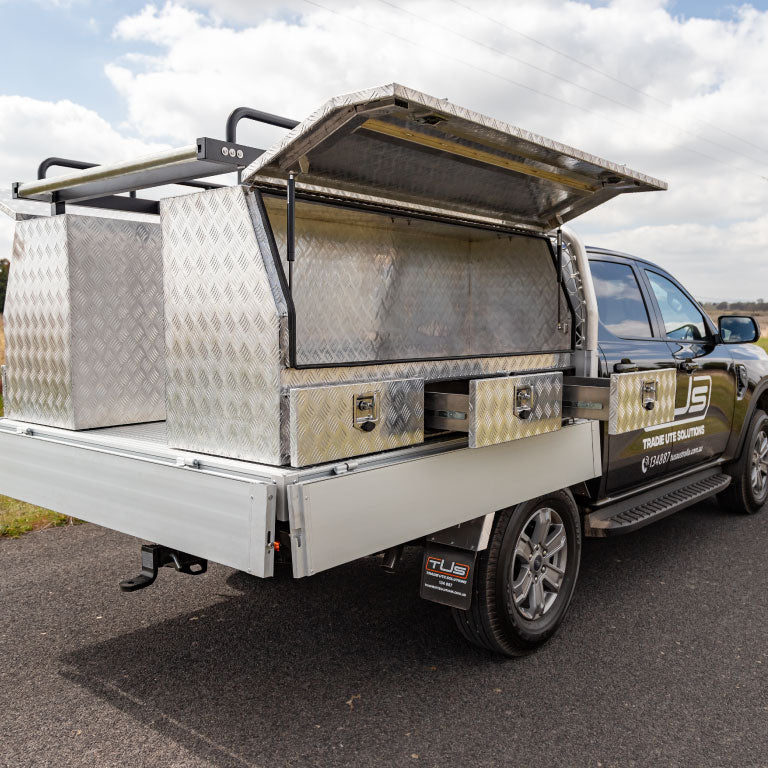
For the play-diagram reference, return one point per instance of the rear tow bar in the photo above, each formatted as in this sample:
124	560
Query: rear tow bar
156	556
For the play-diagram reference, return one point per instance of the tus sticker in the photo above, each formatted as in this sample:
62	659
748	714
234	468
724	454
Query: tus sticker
446	576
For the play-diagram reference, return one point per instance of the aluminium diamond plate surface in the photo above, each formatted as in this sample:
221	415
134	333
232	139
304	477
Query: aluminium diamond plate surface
626	412
322	420
19	209
430	370
84	322
370	286
37	319
223	329
230	390
456	159
492	417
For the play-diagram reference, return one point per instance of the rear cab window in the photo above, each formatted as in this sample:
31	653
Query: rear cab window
620	303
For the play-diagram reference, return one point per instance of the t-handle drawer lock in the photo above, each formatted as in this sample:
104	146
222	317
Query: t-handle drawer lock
649	395
366	411
523	401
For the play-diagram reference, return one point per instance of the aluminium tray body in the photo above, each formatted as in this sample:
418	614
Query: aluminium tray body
231	387
422	253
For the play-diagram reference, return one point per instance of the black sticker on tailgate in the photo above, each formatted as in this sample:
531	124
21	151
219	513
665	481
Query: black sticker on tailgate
446	576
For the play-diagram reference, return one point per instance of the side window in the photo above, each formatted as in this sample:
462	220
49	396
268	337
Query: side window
619	301
682	318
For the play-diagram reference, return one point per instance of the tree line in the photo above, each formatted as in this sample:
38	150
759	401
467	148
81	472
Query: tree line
742	306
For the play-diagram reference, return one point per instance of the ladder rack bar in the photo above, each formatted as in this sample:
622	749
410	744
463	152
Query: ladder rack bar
109	171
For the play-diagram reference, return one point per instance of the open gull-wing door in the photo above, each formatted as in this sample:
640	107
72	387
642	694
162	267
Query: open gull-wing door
398	146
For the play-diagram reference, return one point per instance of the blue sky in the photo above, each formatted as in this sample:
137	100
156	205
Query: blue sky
59	51
709	9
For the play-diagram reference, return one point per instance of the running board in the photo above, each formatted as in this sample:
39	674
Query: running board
638	511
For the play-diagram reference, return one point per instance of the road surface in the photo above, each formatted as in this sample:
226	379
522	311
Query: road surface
663	661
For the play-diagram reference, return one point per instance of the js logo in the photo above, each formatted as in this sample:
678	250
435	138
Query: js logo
697	399
445	567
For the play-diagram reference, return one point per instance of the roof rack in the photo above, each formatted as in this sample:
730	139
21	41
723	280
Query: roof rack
101	185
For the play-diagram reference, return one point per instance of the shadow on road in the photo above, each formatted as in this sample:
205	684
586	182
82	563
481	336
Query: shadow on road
351	666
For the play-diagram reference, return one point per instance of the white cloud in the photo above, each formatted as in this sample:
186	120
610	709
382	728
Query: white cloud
164	26
288	57
725	262
31	130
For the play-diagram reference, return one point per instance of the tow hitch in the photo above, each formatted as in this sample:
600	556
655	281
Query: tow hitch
155	556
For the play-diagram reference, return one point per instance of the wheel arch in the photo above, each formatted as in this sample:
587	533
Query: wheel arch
758	400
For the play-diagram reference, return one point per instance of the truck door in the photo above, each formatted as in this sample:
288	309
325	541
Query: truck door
629	340
706	381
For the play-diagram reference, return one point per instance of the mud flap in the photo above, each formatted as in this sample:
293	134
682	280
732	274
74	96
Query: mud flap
446	575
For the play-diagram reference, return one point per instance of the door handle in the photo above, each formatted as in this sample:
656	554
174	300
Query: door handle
625	366
689	366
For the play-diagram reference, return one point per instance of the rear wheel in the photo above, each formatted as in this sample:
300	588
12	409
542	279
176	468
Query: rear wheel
748	490
524	580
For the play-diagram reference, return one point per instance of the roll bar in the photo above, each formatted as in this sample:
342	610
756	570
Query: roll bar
247	113
588	365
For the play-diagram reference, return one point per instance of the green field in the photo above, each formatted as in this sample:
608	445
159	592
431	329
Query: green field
17	517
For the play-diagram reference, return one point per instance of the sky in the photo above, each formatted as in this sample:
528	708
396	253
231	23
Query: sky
671	88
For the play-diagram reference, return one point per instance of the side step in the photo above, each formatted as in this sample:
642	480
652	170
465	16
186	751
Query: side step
633	513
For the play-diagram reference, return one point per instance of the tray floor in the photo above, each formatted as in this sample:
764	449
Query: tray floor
152	432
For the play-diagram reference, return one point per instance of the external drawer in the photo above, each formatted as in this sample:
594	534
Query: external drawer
343	420
498	410
626	401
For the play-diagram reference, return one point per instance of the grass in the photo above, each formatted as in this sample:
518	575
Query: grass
763	342
17	517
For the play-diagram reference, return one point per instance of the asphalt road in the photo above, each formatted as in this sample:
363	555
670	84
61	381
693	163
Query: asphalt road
663	661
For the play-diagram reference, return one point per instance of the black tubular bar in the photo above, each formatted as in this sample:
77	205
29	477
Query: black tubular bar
79	165
198	184
246	113
290	232
559	273
61	162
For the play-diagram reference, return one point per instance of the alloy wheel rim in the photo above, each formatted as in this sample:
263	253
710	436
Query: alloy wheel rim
759	466
538	563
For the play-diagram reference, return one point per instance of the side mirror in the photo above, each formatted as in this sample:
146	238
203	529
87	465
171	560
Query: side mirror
738	329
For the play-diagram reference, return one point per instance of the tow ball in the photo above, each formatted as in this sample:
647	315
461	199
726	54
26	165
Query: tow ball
156	556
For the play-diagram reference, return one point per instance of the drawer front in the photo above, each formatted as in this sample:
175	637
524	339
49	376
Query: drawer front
343	420
631	394
513	407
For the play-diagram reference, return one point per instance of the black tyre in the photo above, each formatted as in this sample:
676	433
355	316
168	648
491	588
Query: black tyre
748	490
524	580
